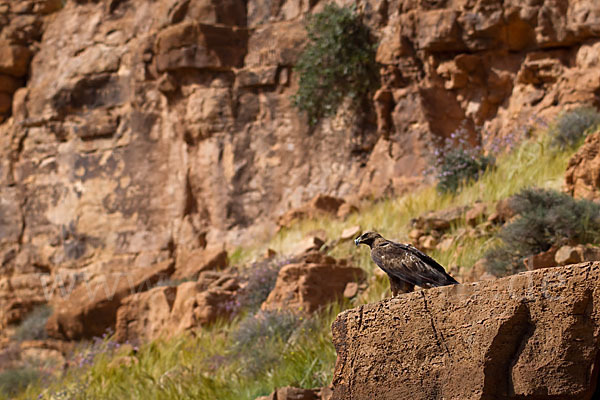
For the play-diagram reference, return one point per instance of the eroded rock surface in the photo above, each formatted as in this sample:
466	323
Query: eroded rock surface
313	282
137	132
170	310
91	308
531	335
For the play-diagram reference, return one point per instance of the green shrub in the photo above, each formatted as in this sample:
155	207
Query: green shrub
459	163
33	327
572	126
339	61
260	280
15	380
259	339
459	167
544	218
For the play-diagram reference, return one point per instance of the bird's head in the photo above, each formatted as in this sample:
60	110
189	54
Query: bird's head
367	238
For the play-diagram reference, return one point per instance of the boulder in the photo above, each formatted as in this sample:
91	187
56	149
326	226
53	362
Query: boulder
144	316
486	340
91	308
46	352
9	84
203	302
306	286
171	310
292	393
428	242
478	272
544	259
582	178
575	254
351	290
566	255
591	253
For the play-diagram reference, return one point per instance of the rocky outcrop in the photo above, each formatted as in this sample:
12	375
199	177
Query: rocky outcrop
21	28
170	310
140	131
191	263
313	282
582	179
144	316
91	308
531	335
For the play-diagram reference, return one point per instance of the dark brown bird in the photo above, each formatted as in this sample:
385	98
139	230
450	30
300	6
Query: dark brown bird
404	265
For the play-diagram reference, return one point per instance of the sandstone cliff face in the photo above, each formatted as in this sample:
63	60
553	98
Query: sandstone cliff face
532	335
144	130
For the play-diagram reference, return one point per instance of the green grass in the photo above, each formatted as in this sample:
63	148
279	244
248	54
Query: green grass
533	163
205	366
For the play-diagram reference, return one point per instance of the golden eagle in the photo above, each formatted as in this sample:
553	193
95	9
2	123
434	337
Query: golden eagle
404	265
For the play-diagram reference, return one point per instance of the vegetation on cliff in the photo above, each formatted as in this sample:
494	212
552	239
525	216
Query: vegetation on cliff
544	219
338	62
573	126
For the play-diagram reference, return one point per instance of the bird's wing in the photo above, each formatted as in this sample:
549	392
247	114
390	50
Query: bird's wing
409	264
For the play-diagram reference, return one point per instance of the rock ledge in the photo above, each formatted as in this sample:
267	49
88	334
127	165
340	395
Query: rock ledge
533	335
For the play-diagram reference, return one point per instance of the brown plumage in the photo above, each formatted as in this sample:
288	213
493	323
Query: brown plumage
404	265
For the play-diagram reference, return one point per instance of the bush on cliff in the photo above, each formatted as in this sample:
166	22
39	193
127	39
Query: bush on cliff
338	62
544	218
33	326
260	279
572	126
461	166
459	163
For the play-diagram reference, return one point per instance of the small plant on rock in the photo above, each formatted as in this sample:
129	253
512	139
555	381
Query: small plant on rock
544	218
338	62
33	326
458	163
572	126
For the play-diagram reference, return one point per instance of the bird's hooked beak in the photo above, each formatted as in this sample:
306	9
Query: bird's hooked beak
357	241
